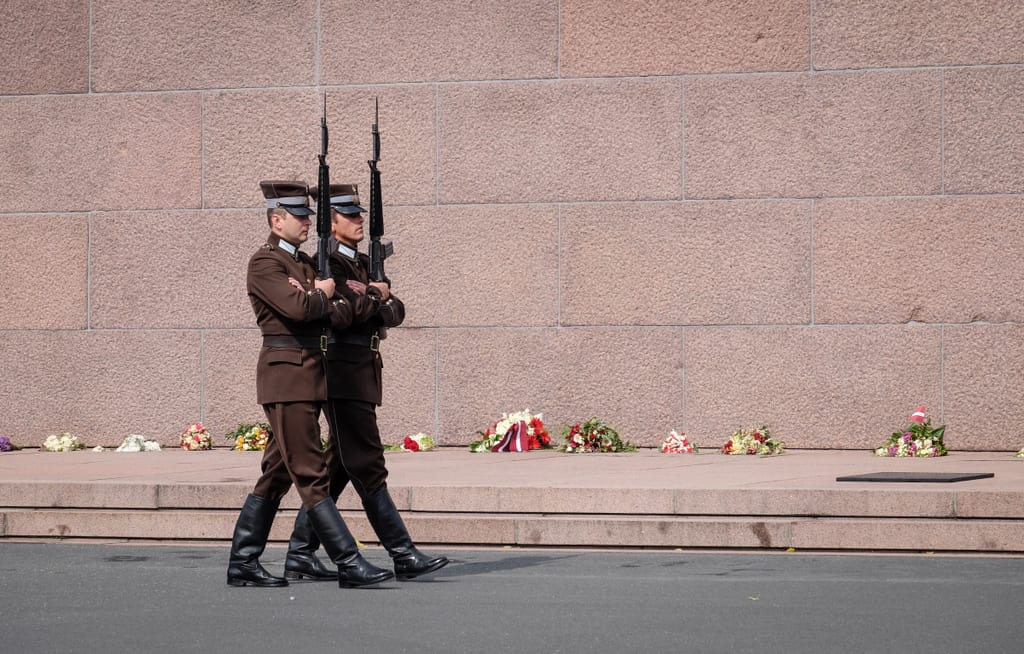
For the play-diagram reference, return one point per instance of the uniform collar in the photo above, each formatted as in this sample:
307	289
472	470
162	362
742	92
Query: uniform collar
292	250
347	252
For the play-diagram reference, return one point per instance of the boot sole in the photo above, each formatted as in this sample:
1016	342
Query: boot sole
238	583
363	584
299	576
406	576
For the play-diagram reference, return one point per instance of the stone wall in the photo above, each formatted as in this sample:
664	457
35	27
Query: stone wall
688	215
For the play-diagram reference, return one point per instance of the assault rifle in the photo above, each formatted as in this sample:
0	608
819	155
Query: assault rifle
323	205
379	249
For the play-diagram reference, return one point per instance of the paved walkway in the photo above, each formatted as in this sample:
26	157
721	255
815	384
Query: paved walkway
544	498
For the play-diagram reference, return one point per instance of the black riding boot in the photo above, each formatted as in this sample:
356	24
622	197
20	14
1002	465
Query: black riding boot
409	561
248	543
301	562
353	569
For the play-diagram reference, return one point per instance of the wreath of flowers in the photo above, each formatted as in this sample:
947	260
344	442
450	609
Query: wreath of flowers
195	437
416	443
62	442
919	439
594	436
677	443
753	440
6	445
537	435
250	436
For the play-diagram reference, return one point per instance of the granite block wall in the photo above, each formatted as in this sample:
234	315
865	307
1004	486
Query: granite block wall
669	215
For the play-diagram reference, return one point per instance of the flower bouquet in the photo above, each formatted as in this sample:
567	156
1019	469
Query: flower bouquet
514	432
132	443
920	439
195	437
250	436
753	440
416	443
6	445
1020	453
137	443
677	443
594	436
63	442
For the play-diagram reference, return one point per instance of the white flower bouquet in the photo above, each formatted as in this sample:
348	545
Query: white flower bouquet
62	442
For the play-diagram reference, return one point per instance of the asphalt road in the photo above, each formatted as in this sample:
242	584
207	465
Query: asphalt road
158	599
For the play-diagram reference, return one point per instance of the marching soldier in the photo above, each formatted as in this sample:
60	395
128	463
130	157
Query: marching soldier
295	312
354	392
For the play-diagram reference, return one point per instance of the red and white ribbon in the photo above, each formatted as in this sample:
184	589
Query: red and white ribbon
515	439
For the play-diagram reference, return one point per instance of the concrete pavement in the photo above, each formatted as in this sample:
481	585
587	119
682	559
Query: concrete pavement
127	599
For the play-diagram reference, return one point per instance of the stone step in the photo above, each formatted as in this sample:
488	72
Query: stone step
562	530
877	500
452	497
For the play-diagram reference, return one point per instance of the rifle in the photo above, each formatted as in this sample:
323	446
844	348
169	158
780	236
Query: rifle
323	205
379	249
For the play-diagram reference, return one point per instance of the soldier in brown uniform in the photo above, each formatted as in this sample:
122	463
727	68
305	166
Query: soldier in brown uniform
354	389
295	312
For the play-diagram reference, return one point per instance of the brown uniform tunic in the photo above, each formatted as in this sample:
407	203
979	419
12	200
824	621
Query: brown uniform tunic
290	376
354	369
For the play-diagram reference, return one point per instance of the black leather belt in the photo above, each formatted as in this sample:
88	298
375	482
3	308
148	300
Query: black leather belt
371	341
287	340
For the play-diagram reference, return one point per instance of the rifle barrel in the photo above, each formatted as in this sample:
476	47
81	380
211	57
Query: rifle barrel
376	133
323	203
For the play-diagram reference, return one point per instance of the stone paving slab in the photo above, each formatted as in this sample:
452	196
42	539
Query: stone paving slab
540	468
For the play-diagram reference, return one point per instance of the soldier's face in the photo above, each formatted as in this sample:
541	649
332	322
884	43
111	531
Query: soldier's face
347	228
294	229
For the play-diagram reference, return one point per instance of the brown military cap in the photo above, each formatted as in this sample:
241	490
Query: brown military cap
293	197
344	198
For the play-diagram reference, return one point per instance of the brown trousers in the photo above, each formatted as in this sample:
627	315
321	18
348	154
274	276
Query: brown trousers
294	454
360	454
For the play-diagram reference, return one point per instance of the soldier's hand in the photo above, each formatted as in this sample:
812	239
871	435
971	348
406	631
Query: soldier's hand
325	285
356	286
294	282
385	290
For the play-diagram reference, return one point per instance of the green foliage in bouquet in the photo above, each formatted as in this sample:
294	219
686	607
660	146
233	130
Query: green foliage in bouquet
420	442
753	440
920	439
249	436
594	436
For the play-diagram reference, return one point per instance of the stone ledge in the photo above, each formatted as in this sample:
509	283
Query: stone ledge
842	502
569	530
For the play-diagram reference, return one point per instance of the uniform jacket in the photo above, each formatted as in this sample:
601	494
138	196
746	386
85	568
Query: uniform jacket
354	371
290	374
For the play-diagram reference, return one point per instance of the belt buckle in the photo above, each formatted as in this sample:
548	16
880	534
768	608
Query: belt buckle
375	343
323	343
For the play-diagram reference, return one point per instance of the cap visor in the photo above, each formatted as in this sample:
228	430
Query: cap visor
348	209
298	211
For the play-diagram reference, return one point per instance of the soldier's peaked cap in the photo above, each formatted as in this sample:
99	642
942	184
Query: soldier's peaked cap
293	197
344	198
